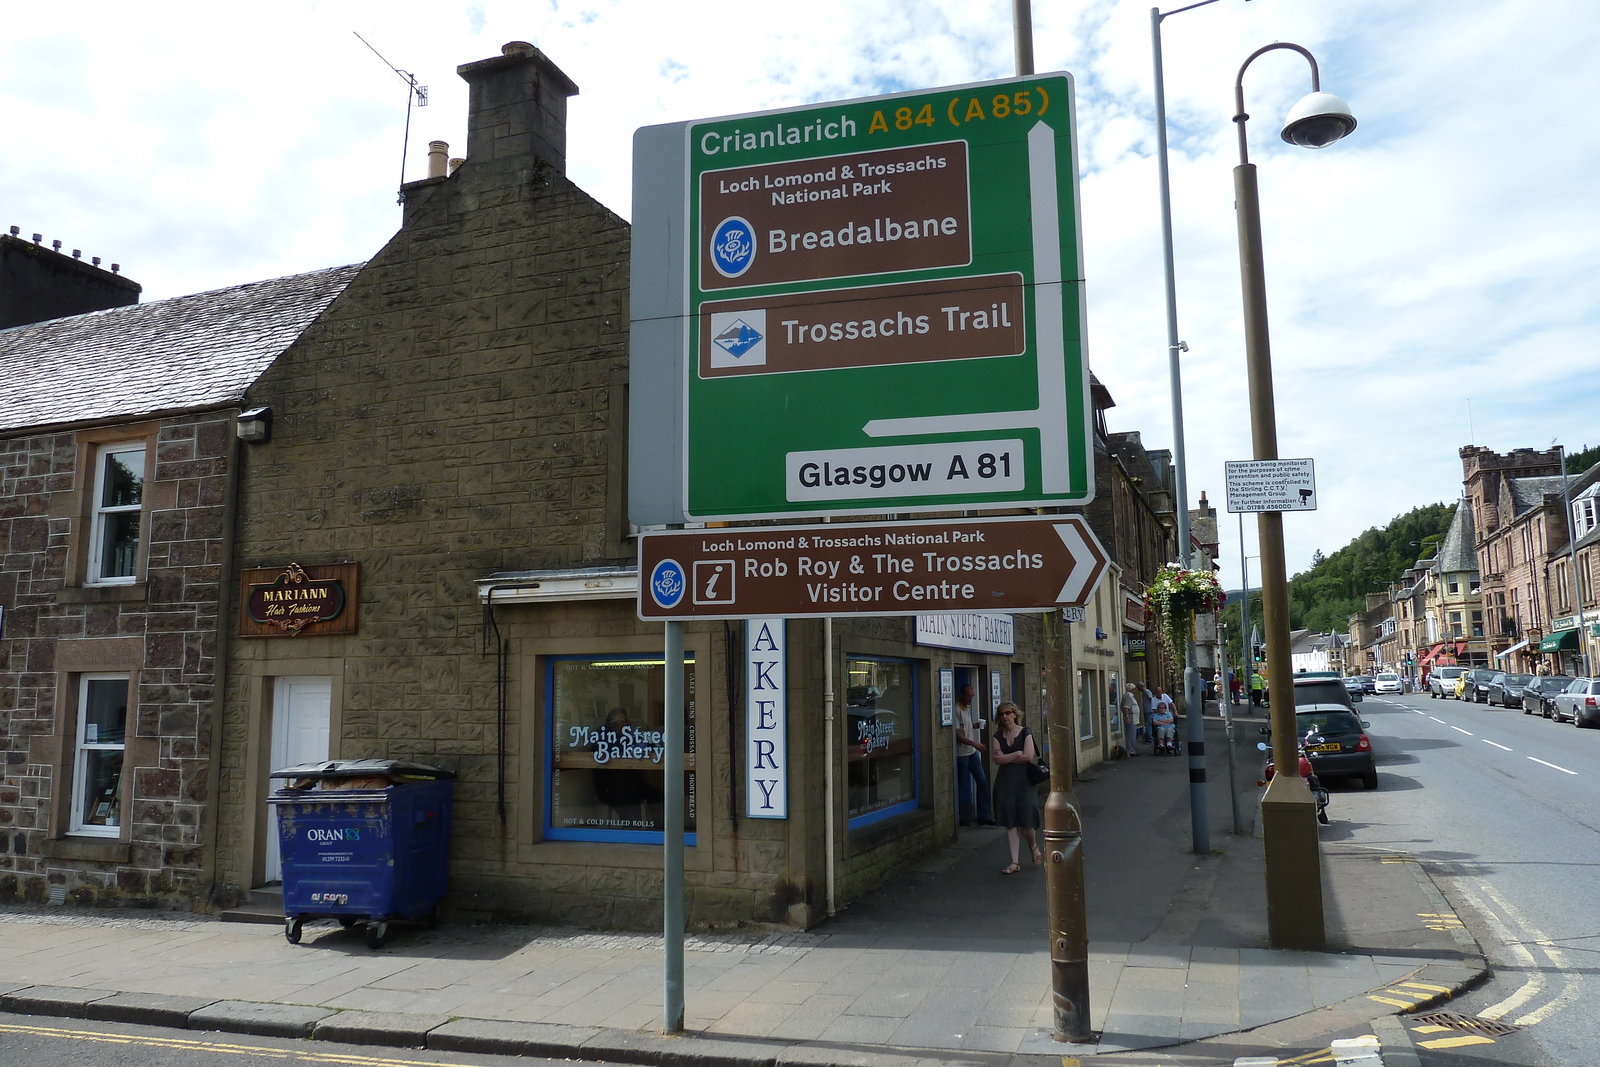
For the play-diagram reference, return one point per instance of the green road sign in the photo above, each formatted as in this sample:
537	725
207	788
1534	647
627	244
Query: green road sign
883	305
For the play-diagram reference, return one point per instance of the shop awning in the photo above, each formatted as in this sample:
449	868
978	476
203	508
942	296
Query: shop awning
1560	640
1520	644
1429	656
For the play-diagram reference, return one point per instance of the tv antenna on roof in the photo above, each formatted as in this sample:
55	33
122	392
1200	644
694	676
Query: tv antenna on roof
415	93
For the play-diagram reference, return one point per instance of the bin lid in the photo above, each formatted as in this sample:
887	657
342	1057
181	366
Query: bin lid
363	768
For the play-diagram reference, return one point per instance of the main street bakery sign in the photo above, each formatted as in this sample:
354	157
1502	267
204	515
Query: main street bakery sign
297	601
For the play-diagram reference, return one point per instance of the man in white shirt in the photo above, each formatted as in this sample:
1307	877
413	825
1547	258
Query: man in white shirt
970	774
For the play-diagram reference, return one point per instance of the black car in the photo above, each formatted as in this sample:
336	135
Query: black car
1335	743
1537	693
1506	689
1477	687
1309	692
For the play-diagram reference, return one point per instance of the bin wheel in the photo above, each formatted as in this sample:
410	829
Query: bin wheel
291	929
377	934
432	918
347	921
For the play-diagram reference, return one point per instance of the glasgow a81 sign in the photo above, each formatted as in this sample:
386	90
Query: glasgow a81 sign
878	307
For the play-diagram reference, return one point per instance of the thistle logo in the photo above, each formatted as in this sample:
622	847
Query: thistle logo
738	338
733	246
667	583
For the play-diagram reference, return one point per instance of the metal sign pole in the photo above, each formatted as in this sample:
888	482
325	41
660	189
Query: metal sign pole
672	838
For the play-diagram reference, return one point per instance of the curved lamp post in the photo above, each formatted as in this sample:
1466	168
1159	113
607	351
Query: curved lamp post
1288	814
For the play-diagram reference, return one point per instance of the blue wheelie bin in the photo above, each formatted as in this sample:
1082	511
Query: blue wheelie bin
362	841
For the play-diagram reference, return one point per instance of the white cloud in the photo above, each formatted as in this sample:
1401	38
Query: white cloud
1446	251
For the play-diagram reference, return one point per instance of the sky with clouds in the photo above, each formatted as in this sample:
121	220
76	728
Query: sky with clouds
1433	281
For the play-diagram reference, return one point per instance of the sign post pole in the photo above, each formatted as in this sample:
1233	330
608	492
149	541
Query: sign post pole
672	887
1063	840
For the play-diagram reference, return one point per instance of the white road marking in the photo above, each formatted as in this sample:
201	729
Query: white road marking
1496	744
1356	1052
1552	766
1458	729
1419	711
1438	720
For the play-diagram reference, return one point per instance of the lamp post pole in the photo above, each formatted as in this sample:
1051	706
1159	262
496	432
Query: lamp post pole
1193	698
1572	562
1288	813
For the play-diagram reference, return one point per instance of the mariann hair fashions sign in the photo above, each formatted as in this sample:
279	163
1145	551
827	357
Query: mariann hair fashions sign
766	721
298	601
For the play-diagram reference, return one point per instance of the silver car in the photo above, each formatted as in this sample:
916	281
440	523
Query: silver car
1579	702
1442	681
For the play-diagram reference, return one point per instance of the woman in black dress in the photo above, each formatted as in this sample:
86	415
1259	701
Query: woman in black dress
1016	800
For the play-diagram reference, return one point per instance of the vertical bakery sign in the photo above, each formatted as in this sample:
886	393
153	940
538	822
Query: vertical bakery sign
299	601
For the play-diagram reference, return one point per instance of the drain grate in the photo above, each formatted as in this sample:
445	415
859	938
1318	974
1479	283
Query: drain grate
1469	1024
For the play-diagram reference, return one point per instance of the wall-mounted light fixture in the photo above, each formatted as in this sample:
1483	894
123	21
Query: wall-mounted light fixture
254	427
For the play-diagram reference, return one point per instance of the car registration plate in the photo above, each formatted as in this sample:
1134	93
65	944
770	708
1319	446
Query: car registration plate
1330	747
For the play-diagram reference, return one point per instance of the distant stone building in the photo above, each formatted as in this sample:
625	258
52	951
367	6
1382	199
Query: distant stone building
1522	527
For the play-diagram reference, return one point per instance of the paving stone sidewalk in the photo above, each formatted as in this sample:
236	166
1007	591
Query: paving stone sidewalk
949	959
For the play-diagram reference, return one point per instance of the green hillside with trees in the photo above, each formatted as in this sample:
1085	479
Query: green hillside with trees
1324	596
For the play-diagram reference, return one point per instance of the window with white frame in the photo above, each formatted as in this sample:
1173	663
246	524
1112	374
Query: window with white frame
97	760
117	515
1585	516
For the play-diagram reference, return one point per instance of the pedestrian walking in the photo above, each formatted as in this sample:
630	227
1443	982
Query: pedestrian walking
1016	800
1257	684
1131	717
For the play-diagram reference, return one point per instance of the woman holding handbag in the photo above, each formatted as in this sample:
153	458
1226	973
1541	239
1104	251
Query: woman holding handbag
1016	799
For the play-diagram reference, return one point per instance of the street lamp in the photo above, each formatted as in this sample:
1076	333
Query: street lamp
1199	819
1288	813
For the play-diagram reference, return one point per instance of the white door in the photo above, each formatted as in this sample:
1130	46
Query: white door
300	711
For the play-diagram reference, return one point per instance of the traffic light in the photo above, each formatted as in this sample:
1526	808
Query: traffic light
1258	652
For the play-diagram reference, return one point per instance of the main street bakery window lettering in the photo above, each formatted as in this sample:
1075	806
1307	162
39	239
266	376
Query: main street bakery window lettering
97	766
881	739
605	772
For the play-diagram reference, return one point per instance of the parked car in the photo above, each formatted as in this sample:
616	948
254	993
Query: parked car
1579	701
1336	743
1537	694
1442	682
1477	687
1388	682
1506	689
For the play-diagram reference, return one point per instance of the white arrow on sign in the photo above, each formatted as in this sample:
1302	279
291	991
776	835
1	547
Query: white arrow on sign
1088	562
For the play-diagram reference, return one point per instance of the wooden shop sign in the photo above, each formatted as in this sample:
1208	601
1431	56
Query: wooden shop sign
298	601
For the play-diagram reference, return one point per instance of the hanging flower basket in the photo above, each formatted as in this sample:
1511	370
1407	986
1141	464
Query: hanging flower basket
1175	596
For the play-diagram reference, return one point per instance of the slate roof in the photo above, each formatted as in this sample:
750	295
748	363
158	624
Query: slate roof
1456	553
186	353
1529	492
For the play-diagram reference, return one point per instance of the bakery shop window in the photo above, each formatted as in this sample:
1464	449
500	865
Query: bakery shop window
605	776
881	739
97	763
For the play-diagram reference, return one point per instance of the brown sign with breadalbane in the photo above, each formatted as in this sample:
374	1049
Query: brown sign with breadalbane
912	322
842	216
295	601
891	568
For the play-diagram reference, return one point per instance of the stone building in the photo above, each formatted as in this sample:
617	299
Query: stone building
1456	633
117	466
452	432
1522	532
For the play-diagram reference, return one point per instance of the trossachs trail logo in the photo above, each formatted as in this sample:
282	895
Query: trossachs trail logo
738	338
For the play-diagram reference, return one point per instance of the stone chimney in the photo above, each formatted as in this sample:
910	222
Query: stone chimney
517	107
